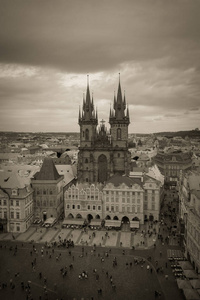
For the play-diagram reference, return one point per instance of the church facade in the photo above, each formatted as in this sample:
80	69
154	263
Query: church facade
103	153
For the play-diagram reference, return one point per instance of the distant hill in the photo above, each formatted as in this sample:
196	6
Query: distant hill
183	134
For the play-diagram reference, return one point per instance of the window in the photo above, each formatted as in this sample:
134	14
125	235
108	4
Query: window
87	135
86	161
119	133
68	206
88	207
99	207
112	208
17	202
78	207
5	202
17	215
94	207
5	214
12	214
107	208
73	206
117	208
11	202
0	201
18	228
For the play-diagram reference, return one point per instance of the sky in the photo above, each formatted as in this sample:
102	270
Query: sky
48	47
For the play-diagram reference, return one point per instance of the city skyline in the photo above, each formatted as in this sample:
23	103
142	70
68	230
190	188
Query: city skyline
48	48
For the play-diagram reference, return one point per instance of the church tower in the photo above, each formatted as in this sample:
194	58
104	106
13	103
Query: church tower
88	121
103	153
119	122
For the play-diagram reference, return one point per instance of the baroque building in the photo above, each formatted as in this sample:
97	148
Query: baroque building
102	153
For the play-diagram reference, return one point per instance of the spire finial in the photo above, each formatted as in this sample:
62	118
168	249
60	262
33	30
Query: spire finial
87	80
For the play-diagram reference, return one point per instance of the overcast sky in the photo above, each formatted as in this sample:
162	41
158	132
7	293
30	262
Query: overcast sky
47	48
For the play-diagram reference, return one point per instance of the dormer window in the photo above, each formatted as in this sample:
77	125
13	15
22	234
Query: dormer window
14	192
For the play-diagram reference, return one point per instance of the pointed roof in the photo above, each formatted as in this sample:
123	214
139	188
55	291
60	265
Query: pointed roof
48	171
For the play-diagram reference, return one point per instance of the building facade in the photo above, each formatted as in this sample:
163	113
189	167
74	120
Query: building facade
170	165
84	201
121	198
48	191
16	204
189	216
103	153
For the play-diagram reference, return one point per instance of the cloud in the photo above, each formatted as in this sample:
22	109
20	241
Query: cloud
48	47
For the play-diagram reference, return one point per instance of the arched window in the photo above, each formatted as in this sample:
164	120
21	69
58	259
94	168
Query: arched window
87	134
86	161
119	133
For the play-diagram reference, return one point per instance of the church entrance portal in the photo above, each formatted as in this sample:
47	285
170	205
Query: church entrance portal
102	168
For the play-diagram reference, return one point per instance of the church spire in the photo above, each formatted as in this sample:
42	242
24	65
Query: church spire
119	113
88	112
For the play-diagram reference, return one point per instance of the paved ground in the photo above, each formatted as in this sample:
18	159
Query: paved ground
125	239
117	241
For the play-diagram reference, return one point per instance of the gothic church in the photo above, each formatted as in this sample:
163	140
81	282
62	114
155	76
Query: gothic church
101	153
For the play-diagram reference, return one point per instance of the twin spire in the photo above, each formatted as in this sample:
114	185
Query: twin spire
120	111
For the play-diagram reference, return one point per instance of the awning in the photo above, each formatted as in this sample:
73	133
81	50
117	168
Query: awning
113	223
50	221
134	224
190	274
96	222
183	284
195	283
73	222
185	265
191	294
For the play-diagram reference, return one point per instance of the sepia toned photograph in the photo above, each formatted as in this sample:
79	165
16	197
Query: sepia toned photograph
99	150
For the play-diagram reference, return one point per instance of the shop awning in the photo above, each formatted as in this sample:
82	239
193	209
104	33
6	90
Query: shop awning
113	223
73	222
96	222
50	221
134	224
185	265
190	274
191	294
